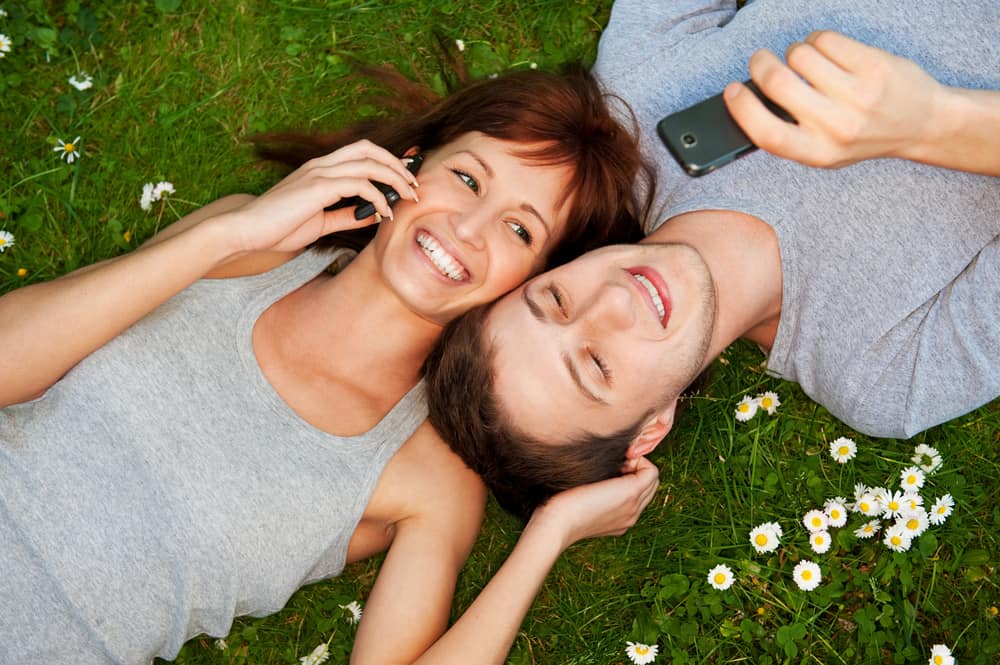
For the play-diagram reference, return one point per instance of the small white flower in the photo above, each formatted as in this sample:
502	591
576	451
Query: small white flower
912	501
836	511
869	505
146	200
152	193
927	458
859	490
460	45
6	240
161	188
915	522
895	504
83	82
746	408
533	65
764	538
820	541
774	527
816	520
5	45
769	402
221	645
843	449
939	512
640	654
868	529
941	655
318	655
881	494
3	13
721	577
70	151
911	479
807	575
897	539
354	611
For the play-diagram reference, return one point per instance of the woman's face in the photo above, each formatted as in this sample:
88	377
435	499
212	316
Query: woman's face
485	222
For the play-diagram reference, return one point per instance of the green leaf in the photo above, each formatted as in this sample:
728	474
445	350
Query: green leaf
168	6
975	558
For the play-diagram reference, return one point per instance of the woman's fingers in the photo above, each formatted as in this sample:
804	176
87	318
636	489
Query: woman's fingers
365	150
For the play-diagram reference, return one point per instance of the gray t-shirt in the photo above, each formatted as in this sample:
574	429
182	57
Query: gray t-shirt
163	487
891	269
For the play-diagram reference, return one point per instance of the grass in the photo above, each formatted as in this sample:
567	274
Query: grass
177	89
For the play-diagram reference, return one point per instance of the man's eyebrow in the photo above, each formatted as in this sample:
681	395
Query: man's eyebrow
575	375
526	207
533	307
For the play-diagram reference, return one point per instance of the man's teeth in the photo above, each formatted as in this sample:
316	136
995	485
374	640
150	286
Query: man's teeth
442	260
653	293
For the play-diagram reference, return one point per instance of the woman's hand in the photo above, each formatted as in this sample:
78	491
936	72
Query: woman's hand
291	214
856	102
606	508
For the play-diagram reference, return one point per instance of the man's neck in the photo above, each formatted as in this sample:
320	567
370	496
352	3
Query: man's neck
742	254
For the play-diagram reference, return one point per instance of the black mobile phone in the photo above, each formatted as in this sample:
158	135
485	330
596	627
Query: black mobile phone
367	208
704	136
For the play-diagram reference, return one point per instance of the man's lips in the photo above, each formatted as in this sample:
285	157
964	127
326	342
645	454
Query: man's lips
654	292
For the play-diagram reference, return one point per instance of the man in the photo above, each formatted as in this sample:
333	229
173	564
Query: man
874	286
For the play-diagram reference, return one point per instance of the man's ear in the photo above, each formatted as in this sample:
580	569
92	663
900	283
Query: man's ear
652	432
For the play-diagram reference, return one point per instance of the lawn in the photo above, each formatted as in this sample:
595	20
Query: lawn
177	88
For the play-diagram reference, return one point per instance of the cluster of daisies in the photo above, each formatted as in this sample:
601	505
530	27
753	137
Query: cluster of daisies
748	407
152	193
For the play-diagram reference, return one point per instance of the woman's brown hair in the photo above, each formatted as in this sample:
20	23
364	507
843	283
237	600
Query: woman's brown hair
564	115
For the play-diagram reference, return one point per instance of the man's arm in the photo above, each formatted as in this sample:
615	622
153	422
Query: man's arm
855	102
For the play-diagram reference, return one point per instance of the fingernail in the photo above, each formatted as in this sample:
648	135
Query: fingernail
415	197
731	90
378	218
391	216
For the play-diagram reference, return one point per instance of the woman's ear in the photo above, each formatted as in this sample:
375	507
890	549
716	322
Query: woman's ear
649	437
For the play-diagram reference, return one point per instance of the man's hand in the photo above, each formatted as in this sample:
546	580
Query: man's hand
852	102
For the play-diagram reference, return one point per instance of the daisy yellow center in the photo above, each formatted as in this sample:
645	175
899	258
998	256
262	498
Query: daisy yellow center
868	528
766	402
720	578
819	540
938	660
835	514
912	524
817	521
69	147
760	539
843	450
942	510
3	241
642	649
865	506
743	408
807	575
896	540
894	505
911	480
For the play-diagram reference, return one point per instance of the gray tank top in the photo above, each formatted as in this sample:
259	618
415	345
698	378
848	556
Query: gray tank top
163	487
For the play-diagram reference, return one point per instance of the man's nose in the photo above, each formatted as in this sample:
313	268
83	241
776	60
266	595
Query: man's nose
612	307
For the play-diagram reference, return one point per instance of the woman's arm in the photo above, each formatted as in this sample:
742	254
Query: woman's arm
56	324
856	102
408	608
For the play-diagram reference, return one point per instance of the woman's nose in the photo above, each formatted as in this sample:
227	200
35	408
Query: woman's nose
470	227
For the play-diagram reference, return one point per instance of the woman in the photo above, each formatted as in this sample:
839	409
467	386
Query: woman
196	429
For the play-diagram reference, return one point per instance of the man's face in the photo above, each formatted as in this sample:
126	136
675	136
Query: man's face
594	345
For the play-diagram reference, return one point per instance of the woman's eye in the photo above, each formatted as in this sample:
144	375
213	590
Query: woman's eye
469	181
522	233
601	366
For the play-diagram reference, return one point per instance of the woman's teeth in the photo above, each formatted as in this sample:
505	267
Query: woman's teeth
653	293
442	260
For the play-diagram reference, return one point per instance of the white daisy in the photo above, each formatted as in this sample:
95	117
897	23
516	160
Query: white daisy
70	151
161	188
859	490
914	521
941	655
869	505
941	509
895	504
5	45
843	449
318	655
721	577
764	538
816	520
881	493
836	511
354	611
640	654
769	402
460	45
146	200
911	479
746	408
807	575
221	645
868	529
820	541
912	500
6	240
927	458
83	82
152	193
897	539
775	527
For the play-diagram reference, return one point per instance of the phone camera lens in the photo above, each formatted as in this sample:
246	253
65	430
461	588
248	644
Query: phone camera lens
688	139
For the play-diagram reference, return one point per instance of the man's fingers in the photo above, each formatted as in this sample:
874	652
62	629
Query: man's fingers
784	87
819	71
765	129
